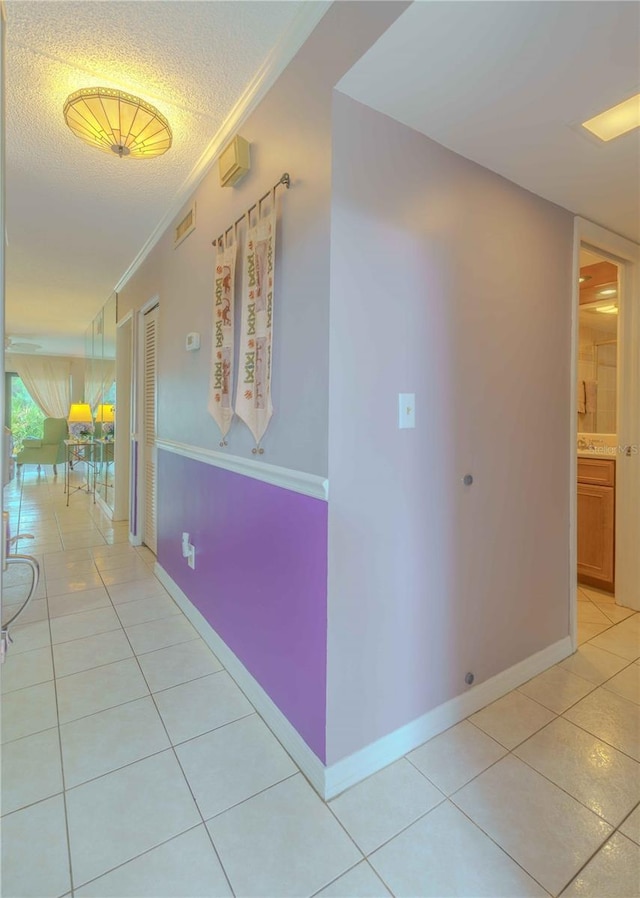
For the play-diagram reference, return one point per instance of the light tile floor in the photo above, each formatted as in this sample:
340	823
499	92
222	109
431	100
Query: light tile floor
132	765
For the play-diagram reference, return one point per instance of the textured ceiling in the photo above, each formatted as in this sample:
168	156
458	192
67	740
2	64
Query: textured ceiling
75	217
506	84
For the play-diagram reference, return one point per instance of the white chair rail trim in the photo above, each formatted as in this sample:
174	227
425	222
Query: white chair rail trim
298	481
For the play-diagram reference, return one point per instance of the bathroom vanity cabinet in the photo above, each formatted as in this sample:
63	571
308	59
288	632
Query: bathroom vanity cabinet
596	521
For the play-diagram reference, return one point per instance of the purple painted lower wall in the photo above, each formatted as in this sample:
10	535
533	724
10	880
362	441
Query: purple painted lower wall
260	578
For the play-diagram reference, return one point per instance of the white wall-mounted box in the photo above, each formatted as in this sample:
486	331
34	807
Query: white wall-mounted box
234	161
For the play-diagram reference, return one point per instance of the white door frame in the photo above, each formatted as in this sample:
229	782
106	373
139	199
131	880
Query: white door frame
137	441
627	527
122	456
3	459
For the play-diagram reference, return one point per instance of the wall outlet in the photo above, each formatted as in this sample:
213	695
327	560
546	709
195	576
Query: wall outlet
185	545
191	557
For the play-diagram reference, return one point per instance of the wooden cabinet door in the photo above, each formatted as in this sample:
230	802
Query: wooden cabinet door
596	534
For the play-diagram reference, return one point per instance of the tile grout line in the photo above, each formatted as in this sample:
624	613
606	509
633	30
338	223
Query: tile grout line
445	798
635	808
449	798
509	751
594	688
500	847
335	879
64	791
142	854
117	660
595	736
562	717
587	862
173	747
151	754
380	877
177	759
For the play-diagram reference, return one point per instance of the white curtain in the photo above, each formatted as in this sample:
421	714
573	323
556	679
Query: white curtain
48	382
99	378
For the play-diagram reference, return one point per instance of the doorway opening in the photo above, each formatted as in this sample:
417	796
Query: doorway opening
605	431
597	441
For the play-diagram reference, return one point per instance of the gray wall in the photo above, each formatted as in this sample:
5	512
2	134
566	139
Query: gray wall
289	131
453	283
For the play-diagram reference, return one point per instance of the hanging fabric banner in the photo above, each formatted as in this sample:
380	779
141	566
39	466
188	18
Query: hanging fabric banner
253	394
221	382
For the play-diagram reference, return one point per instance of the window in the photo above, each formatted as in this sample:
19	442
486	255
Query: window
26	417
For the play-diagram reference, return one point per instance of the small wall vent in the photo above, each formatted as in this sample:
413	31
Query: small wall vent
185	226
234	161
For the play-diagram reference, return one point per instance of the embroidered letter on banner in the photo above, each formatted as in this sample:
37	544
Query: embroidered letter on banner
221	383
253	394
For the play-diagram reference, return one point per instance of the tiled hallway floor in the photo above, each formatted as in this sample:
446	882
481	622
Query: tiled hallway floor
132	765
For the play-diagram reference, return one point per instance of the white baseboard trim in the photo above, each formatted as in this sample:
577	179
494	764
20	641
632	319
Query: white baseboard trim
330	781
106	509
292	741
384	751
298	481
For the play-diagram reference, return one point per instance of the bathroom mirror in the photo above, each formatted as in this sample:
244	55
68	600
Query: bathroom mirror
597	367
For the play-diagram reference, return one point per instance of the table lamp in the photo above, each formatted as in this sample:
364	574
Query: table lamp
104	416
80	420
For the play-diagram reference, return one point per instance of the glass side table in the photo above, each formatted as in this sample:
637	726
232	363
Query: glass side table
80	452
104	467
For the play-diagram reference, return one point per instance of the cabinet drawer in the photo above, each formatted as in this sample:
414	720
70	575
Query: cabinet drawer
600	471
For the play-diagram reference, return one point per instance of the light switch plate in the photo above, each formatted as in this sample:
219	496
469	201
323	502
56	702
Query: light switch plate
406	410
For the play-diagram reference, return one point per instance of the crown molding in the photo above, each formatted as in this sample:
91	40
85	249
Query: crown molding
310	14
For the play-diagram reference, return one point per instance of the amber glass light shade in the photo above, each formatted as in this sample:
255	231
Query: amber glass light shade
116	122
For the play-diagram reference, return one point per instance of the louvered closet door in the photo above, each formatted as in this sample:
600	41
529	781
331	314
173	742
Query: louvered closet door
149	410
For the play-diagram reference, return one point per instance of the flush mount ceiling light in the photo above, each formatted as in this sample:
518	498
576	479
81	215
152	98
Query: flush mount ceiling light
616	121
116	122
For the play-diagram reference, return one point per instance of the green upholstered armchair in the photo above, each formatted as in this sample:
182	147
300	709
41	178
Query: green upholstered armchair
50	450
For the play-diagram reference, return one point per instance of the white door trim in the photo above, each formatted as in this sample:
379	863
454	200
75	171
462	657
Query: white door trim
122	452
3	456
627	557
